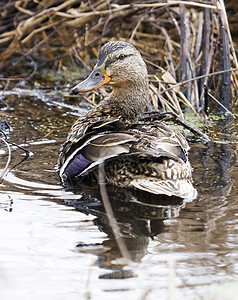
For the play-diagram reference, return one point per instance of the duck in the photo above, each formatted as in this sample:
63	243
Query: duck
145	156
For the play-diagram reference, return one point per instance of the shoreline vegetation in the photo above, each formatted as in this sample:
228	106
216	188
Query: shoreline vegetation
187	45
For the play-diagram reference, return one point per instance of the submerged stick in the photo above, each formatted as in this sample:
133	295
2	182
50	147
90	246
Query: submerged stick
4	171
111	218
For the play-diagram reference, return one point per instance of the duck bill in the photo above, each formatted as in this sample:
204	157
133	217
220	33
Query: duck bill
92	82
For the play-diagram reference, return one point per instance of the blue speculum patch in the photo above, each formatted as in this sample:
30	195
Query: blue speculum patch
77	165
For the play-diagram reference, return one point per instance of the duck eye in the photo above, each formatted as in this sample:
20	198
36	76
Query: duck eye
121	56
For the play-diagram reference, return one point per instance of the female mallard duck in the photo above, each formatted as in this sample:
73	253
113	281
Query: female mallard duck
148	157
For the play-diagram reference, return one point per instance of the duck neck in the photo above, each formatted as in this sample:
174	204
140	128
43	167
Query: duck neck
129	102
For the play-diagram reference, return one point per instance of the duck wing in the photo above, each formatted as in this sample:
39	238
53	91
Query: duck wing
94	151
90	142
159	140
164	167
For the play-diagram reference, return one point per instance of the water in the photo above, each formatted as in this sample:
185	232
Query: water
57	244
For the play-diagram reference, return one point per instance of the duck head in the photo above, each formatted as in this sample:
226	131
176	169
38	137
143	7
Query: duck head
119	63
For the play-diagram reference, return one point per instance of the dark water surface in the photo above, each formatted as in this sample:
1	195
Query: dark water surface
57	244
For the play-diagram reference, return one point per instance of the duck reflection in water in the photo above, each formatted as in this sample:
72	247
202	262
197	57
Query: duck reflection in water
138	216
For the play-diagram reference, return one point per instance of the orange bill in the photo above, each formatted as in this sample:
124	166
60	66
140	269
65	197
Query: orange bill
96	79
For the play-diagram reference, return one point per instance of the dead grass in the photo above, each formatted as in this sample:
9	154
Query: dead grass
180	41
